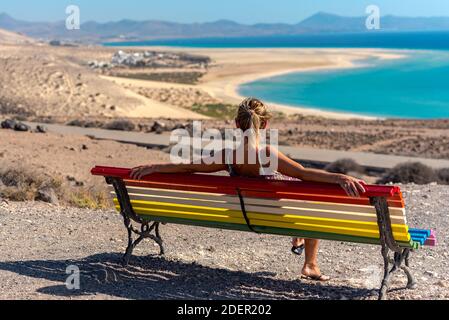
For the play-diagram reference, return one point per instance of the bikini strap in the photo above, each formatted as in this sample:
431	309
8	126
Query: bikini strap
245	215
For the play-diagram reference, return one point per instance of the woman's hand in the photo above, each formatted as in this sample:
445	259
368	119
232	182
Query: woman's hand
143	171
352	186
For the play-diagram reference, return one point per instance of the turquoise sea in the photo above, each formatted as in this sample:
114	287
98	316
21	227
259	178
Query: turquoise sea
414	87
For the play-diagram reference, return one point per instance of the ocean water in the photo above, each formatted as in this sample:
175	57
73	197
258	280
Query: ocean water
415	87
393	40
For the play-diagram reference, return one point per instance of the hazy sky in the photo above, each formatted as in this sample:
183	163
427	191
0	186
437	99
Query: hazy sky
244	11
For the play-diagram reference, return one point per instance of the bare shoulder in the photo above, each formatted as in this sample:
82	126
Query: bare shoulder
273	151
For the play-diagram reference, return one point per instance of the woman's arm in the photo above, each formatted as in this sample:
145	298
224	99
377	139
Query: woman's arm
143	171
289	167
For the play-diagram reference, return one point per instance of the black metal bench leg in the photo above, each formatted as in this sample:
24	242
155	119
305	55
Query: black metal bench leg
128	214
411	282
401	262
144	233
159	240
386	279
131	246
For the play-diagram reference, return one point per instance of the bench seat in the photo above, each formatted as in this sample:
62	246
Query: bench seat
289	208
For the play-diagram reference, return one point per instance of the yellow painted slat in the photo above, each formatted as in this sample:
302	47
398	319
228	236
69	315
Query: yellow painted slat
304	223
272	210
313	205
271	217
257	222
319	213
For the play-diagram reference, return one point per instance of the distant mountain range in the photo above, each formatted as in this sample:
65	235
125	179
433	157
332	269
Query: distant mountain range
146	30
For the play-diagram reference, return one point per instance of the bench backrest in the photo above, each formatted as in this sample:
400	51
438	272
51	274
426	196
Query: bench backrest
303	209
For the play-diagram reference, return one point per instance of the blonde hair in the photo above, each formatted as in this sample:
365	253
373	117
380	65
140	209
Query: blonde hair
252	114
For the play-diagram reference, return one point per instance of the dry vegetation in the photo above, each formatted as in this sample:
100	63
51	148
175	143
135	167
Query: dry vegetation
24	184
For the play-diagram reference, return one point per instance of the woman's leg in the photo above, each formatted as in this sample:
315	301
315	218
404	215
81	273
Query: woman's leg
297	242
311	268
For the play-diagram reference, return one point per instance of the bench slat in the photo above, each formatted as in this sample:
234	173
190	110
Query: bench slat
229	184
297	226
275	231
215	214
270	217
221	198
310	210
271	196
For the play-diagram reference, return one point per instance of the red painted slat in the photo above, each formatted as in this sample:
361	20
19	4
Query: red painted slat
261	194
251	186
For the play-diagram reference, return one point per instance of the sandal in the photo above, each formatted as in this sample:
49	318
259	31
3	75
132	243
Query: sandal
320	278
298	250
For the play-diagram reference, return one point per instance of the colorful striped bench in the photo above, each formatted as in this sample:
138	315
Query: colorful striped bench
289	208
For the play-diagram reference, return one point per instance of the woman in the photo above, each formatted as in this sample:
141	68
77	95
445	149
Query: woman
253	116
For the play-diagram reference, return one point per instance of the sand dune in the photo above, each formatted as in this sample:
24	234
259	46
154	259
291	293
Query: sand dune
56	81
8	37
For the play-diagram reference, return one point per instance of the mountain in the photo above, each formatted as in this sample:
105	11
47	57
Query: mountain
126	29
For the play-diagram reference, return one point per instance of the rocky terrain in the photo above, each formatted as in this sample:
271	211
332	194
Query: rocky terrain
426	139
39	241
200	263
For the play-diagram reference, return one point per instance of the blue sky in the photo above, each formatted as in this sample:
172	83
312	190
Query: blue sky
243	11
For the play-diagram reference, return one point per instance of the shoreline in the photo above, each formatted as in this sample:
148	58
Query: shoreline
233	89
235	67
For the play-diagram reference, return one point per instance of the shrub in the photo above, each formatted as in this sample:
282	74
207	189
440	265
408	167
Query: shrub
443	175
90	198
344	166
21	184
410	172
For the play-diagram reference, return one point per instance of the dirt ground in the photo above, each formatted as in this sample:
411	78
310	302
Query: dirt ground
39	241
70	155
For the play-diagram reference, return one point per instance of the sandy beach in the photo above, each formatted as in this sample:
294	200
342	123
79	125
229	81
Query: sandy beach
234	67
54	81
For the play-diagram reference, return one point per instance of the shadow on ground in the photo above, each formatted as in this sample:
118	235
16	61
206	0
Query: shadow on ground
157	278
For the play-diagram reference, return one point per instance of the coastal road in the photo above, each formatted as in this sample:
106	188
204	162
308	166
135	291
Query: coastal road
310	155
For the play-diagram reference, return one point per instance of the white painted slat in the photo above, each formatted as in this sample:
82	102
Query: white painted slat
318	213
287	203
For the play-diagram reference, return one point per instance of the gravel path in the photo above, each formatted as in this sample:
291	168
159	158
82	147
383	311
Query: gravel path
39	241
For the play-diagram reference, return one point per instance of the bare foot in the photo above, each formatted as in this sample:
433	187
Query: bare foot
313	272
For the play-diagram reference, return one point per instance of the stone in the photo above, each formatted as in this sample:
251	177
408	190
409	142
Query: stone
158	127
21	127
8	124
48	195
41	129
431	273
